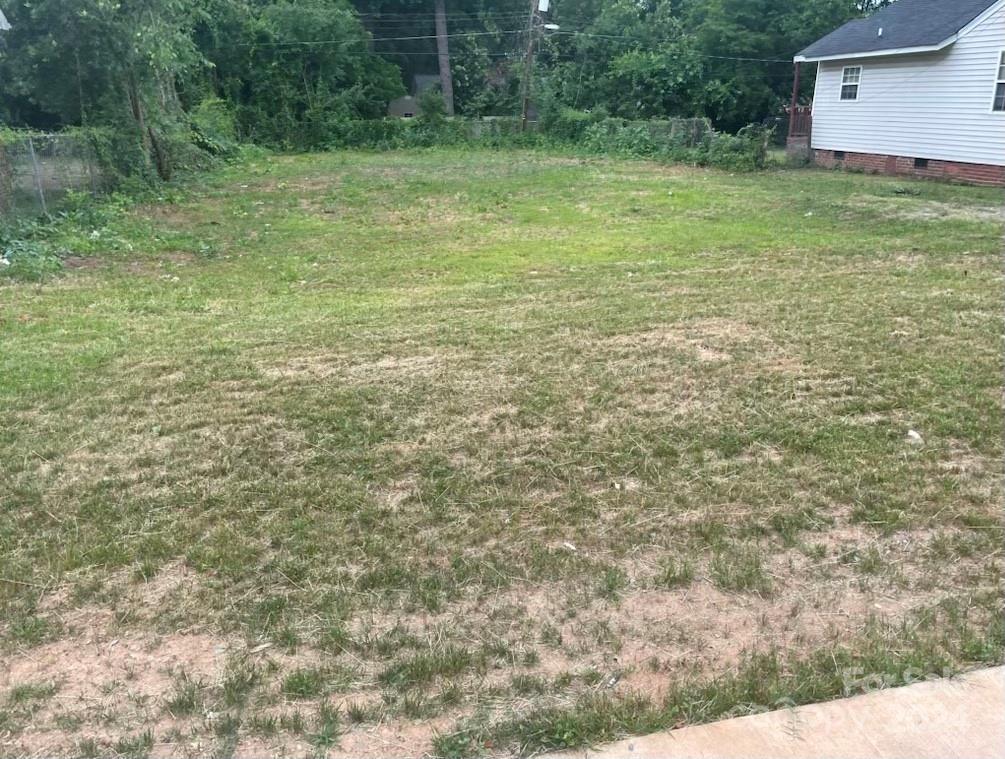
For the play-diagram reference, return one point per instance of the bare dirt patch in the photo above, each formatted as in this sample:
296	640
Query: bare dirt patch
83	262
115	681
100	676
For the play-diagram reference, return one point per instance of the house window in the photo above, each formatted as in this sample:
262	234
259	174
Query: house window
921	163
838	155
999	104
850	78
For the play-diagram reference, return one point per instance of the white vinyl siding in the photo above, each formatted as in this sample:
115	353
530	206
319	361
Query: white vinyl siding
927	105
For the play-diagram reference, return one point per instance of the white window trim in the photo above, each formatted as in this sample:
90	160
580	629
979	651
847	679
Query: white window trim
994	87
858	85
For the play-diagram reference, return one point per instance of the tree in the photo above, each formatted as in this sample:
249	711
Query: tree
291	69
748	46
628	58
288	69
102	62
443	56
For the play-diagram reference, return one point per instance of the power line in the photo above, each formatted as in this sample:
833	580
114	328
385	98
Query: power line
428	14
417	22
699	54
294	43
432	54
420	16
494	33
552	57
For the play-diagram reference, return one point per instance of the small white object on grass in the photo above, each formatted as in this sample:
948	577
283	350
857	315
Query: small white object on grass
569	546
915	438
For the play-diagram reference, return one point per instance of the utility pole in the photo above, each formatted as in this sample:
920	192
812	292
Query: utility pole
443	55
793	107
528	67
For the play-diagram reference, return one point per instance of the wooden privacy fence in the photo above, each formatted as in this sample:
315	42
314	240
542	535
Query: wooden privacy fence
800	120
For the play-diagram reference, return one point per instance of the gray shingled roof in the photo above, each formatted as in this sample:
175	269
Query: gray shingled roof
905	24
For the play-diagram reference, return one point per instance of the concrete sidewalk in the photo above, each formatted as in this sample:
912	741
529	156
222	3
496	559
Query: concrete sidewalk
961	718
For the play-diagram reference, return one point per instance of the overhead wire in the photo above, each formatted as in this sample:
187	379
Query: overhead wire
364	40
487	33
639	39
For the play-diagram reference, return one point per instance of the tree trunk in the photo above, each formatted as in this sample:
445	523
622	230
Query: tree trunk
443	53
151	143
136	108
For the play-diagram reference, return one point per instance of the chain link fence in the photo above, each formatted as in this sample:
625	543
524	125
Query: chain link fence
37	171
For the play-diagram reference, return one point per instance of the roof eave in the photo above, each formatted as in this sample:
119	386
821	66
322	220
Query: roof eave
878	53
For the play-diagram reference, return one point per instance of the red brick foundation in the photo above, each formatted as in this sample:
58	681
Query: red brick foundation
970	173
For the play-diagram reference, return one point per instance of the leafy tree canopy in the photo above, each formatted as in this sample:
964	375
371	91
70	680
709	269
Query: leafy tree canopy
286	70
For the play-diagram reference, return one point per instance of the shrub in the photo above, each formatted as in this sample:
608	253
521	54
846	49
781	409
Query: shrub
118	154
671	138
391	134
681	140
214	128
178	150
685	140
620	138
568	124
22	256
745	151
432	109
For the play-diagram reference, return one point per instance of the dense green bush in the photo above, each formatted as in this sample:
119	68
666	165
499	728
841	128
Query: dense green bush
679	140
24	253
214	127
118	153
392	134
747	150
568	124
618	137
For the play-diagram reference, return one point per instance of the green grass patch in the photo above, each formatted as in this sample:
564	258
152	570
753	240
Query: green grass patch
474	432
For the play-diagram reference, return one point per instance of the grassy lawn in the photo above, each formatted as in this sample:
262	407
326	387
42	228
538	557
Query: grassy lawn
490	452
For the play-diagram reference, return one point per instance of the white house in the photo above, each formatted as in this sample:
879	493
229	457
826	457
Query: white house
4	26
917	88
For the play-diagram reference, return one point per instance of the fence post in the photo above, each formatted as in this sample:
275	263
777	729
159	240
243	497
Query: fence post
89	152
6	181
38	176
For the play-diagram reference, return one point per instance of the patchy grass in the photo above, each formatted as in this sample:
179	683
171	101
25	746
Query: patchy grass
764	681
186	698
740	568
304	683
476	452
